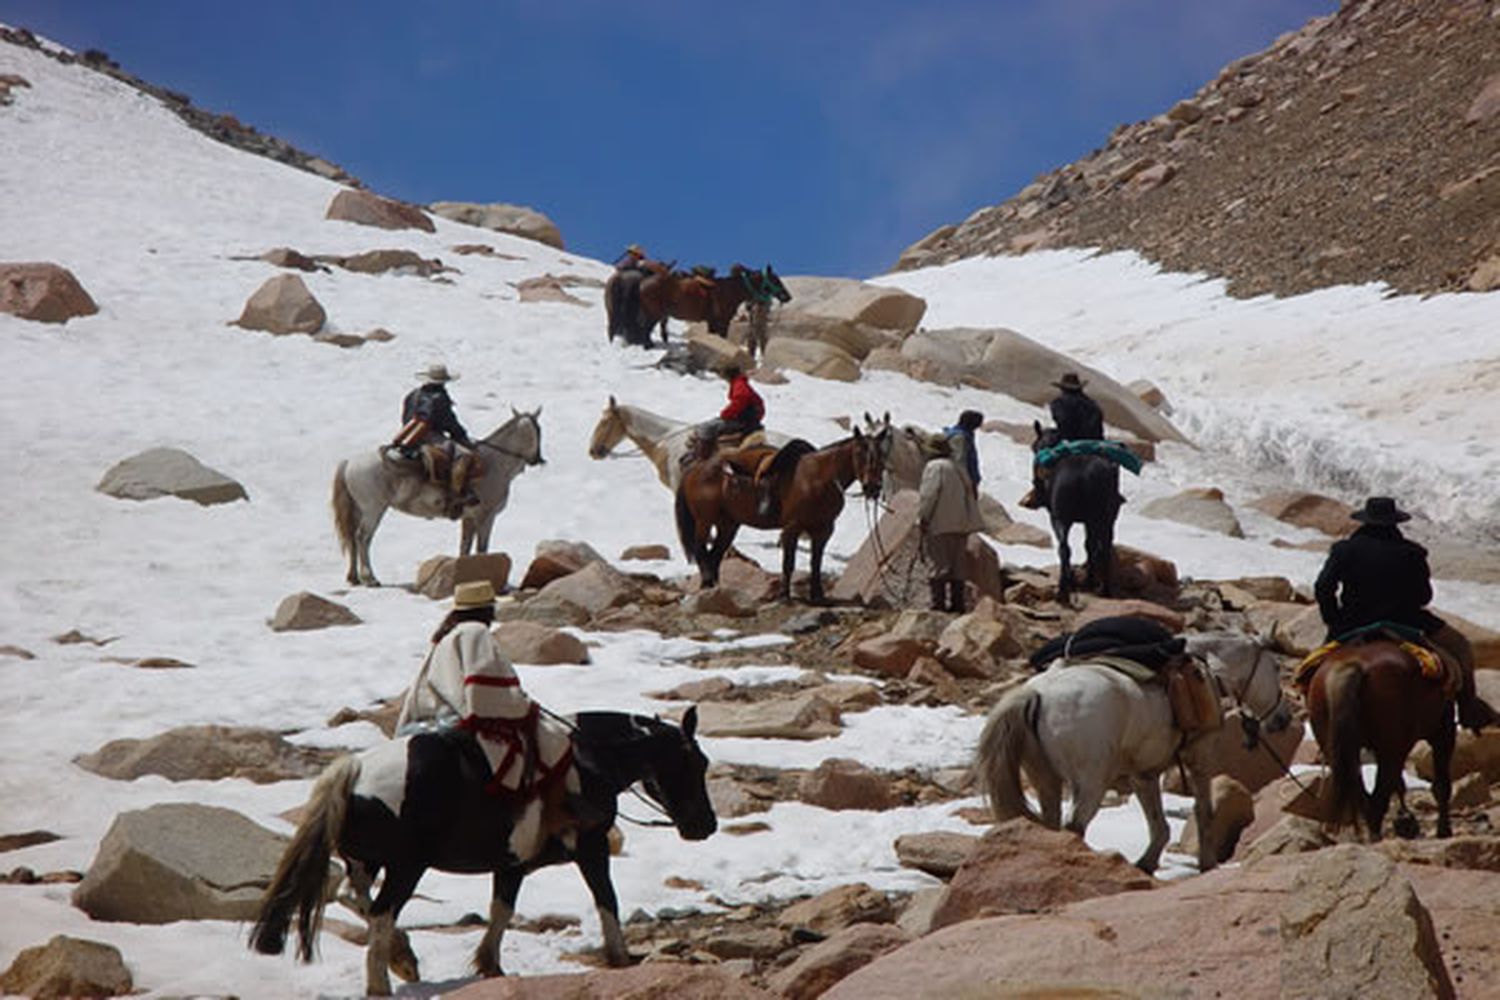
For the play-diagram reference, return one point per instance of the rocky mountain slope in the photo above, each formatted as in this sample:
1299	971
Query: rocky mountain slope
1363	147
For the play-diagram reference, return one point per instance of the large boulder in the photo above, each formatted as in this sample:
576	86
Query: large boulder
530	642
841	783
67	967
595	588
1234	932
803	717
161	472
1004	361
845	300
650	981
207	753
1308	510
181	861
812	357
1201	507
46	293
368	209
938	852
517	220
1020	867
555	558
283	305
438	575
839	907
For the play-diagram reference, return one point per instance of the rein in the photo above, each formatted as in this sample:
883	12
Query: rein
1250	723
572	728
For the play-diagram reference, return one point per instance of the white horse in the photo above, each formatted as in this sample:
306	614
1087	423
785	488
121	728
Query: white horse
661	439
365	485
1086	725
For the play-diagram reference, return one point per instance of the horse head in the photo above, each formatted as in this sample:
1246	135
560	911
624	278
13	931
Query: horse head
870	454
771	286
1249	673
1046	437
609	431
675	776
521	436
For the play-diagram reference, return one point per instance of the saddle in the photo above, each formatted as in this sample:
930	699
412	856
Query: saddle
1435	664
1191	692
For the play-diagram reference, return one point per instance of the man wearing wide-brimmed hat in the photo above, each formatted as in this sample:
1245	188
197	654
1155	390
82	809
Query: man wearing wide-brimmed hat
1077	417
467	683
948	513
1379	575
431	430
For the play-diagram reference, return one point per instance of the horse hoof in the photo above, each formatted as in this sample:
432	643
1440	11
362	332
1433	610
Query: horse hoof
1406	826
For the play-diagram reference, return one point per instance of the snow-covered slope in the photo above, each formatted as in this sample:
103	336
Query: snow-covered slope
149	215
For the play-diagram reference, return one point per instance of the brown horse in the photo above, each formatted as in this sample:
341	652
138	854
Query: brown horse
710	300
622	302
808	488
1373	695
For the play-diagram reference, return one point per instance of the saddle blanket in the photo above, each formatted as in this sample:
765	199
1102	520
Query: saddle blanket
1112	450
1433	665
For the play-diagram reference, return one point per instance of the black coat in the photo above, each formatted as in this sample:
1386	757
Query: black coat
1078	418
432	404
1375	575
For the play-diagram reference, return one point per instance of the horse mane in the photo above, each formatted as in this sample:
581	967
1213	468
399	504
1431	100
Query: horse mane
788	456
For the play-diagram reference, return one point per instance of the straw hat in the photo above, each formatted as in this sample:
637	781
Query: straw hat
934	445
636	249
1381	510
1071	381
437	373
473	594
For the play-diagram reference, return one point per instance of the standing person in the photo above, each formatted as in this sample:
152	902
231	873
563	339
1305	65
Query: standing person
1077	417
965	449
948	513
1378	575
743	414
466	683
430	427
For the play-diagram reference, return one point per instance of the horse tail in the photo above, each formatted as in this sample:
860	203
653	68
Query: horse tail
301	879
345	512
1009	737
1342	688
687	527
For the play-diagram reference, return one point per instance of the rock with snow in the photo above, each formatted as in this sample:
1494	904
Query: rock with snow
367	209
208	753
530	642
840	907
1200	507
1308	510
382	261
161	472
844	300
596	587
181	861
547	288
841	783
46	293
830	960
68	967
812	357
517	220
305	611
556	558
803	717
283	305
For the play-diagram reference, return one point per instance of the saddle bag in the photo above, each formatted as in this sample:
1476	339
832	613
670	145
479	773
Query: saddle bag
1194	699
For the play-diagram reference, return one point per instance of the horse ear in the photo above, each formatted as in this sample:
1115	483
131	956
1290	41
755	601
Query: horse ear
515	412
888	418
612	403
536	413
690	721
1037	425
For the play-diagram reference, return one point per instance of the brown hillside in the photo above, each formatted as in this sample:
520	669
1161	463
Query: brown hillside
1364	147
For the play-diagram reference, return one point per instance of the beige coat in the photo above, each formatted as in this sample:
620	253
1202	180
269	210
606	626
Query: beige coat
947	504
466	680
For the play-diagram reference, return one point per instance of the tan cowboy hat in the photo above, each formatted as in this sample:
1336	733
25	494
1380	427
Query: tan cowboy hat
1380	510
437	373
636	249
473	594
1071	381
934	445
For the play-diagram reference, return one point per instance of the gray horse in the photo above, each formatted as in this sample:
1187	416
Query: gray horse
367	484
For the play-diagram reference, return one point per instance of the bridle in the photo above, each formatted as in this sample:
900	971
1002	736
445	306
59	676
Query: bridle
535	459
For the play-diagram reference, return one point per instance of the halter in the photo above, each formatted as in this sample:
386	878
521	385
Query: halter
482	443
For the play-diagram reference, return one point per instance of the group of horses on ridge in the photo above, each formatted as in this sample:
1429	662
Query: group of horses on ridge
1074	730
636	302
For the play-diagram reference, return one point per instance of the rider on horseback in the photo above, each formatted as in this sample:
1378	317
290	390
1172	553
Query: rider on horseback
742	415
466	683
1077	417
1378	575
430	431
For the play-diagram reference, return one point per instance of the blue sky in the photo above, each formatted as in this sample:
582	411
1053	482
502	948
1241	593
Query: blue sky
821	137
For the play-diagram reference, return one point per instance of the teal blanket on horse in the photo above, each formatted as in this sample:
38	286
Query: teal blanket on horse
1112	450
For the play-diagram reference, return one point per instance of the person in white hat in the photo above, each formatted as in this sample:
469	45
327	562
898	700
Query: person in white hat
431	430
467	683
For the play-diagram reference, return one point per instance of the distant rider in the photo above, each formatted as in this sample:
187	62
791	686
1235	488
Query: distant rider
743	414
1378	575
428	426
1077	418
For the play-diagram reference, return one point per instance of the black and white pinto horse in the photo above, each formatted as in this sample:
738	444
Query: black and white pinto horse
1086	489
419	802
368	484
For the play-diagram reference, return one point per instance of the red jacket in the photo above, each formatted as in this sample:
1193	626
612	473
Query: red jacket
745	404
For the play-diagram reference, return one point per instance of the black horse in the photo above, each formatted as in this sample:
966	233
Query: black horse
420	802
1081	488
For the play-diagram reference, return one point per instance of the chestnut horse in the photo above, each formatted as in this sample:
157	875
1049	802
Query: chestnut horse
808	487
713	301
1373	695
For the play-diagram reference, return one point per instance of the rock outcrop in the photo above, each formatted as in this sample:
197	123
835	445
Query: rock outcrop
161	472
516	220
46	293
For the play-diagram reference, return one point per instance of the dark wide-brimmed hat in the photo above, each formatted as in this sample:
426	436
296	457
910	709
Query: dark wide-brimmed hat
1381	510
1071	381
